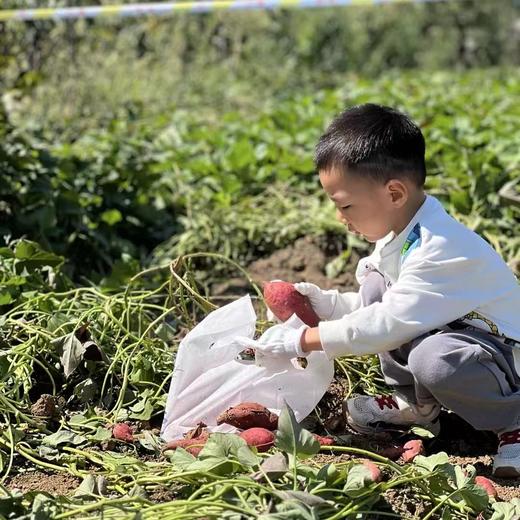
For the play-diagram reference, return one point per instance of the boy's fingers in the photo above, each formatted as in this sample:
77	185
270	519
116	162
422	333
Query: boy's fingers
305	288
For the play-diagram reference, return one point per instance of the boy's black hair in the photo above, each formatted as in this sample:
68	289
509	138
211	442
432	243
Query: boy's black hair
375	141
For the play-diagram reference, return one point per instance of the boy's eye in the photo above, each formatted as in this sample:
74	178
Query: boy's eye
345	207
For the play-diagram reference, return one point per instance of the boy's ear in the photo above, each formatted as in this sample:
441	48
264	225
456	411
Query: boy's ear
398	192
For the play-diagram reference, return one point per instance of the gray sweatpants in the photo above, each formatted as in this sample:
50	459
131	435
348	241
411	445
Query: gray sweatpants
468	371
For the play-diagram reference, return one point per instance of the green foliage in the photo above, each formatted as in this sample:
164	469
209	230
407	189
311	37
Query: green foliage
293	439
244	186
72	75
117	366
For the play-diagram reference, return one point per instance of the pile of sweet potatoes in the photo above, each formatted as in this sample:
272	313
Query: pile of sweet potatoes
256	422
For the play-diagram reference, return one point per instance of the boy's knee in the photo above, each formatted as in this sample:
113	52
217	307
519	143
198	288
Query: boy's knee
372	289
436	359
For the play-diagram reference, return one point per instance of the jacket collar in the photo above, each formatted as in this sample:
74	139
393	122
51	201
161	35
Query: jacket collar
391	243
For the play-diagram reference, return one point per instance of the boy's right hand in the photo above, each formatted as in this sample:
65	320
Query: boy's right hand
323	302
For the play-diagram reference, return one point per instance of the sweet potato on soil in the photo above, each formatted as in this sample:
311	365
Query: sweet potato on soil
261	438
192	445
391	452
412	449
324	441
485	483
375	472
284	300
123	432
249	415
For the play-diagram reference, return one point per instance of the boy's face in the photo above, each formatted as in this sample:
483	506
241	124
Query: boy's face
368	208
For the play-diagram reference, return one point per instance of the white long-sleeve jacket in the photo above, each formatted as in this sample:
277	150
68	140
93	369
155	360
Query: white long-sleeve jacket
436	271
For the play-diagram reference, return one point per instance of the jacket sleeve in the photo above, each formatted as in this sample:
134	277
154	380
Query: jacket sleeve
427	295
346	303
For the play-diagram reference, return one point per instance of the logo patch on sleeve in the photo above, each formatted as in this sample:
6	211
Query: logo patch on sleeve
413	241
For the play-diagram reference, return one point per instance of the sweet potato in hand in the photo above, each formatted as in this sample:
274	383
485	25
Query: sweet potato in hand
284	301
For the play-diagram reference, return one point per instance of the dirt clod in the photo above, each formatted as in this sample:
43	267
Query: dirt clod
45	406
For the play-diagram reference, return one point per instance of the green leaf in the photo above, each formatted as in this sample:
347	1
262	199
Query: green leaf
142	410
63	437
274	467
303	497
229	445
48	453
358	478
57	320
241	154
5	298
138	491
224	453
461	201
422	432
327	473
292	438
44	507
431	462
475	497
85	390
102	434
92	485
30	255
181	459
294	510
150	442
111	216
5	252
71	352
506	510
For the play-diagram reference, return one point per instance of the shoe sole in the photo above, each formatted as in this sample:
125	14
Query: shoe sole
506	472
379	427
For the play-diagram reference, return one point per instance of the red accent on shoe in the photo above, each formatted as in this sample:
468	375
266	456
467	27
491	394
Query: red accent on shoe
386	400
512	437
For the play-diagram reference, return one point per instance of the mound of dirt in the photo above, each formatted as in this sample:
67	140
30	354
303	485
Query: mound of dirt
304	260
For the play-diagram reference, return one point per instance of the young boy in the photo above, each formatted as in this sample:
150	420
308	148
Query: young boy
436	303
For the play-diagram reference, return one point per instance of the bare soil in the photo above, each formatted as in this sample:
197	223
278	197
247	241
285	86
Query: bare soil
53	483
305	260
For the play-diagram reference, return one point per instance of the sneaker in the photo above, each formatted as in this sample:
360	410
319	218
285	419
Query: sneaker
367	414
506	462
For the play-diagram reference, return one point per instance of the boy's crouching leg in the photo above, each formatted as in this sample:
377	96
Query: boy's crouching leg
473	375
372	289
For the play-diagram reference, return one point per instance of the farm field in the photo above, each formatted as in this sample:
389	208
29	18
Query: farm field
118	242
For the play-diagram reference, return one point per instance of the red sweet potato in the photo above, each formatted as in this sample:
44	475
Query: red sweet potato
260	437
324	441
412	449
193	445
249	415
485	483
391	452
284	300
123	432
375	472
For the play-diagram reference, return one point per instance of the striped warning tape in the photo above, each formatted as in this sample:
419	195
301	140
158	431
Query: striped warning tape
158	9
